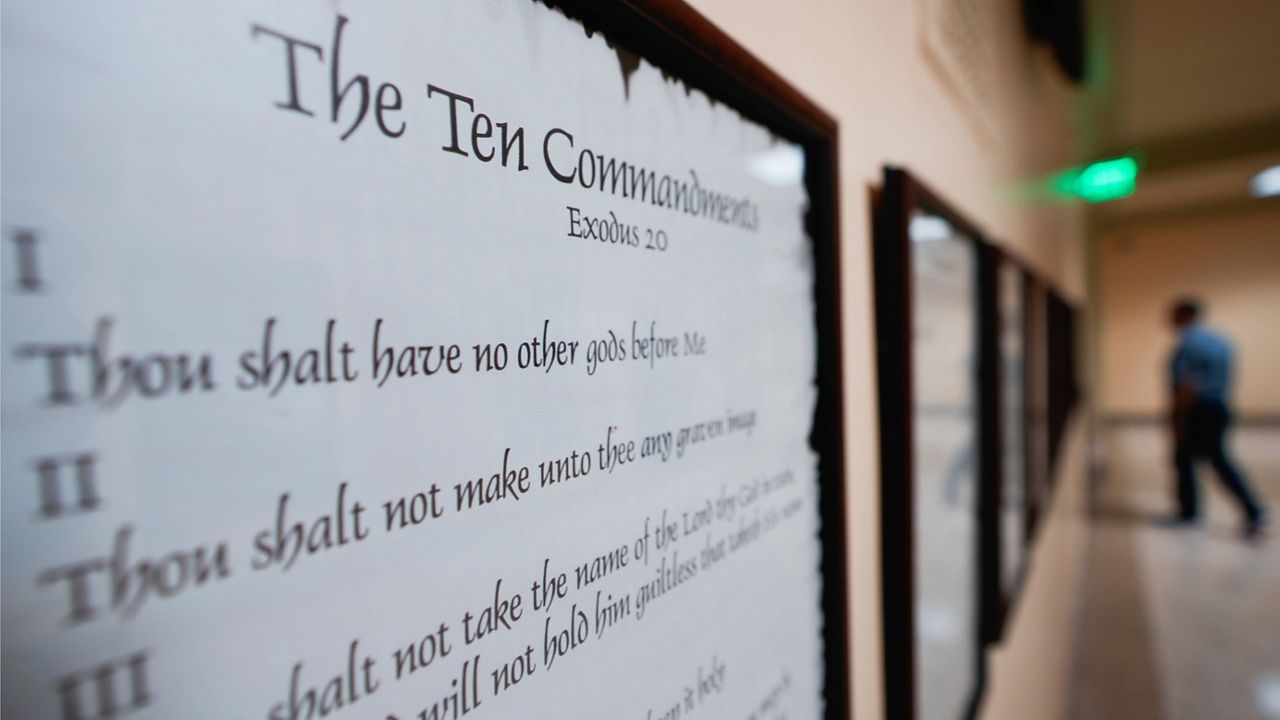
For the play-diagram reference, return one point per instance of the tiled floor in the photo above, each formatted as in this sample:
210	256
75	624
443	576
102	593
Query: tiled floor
1179	623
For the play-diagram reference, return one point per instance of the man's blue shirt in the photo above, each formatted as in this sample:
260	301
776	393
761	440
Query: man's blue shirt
1202	361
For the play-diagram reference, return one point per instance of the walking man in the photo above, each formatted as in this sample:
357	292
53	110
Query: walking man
1200	373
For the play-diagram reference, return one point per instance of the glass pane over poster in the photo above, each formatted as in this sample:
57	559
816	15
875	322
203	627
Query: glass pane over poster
400	360
945	461
1037	391
1012	344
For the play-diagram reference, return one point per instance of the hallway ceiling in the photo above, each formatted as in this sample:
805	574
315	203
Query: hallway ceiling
1184	67
1196	85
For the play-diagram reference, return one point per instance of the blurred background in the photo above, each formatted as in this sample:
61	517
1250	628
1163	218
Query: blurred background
1183	622
1128	153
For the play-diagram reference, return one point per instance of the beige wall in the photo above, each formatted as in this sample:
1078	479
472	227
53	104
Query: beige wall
1231	260
1029	673
862	61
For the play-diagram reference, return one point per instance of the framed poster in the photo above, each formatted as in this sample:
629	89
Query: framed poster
1039	462
928	261
415	360
1063	386
1005	507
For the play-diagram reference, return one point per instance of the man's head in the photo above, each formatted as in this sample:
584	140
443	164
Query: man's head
1185	312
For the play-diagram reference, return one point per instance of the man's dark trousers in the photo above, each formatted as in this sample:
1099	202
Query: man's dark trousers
1202	437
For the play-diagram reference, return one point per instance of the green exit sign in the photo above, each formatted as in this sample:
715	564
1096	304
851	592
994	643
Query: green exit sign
1104	180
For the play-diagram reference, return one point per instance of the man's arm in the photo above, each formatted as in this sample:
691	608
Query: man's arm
1184	394
1184	391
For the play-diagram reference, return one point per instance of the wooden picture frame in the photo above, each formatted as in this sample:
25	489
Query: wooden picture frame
1050	391
901	194
676	38
1035	386
1002	579
1064	385
458	250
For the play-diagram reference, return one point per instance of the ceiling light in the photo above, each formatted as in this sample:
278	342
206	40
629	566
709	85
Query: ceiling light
1266	183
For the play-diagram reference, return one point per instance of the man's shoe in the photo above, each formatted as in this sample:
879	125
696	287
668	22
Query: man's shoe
1179	521
1256	529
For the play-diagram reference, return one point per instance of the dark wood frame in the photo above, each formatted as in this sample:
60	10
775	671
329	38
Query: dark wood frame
673	36
1062	394
1038	468
997	600
892	266
1064	384
1062	388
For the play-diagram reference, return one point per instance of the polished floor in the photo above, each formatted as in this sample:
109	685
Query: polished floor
1178	623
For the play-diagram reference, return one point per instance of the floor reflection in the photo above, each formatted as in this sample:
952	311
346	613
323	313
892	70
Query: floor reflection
1180	622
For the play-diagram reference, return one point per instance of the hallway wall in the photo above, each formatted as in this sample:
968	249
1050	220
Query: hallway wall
863	62
1029	672
1231	260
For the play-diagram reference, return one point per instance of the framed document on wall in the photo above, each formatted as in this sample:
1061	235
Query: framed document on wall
1036	383
1031	390
1052	391
413	361
1064	388
928	263
1005	508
